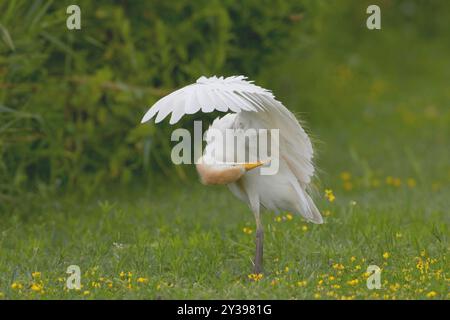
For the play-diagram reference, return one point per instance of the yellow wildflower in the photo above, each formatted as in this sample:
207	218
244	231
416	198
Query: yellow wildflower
317	295
302	283
86	293
386	255
336	286
411	182
348	185
346	175
16	285
338	266
255	276
36	274
142	280
247	230
431	294
389	180
304	228
353	282
329	195
352	259
397	182
36	287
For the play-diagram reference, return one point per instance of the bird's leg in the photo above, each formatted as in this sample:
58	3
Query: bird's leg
258	263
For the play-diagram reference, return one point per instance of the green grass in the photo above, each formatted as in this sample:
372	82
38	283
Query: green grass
189	243
378	110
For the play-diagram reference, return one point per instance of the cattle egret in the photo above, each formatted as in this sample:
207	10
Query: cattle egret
249	107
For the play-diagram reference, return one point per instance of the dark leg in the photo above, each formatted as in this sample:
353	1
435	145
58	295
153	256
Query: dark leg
258	267
258	263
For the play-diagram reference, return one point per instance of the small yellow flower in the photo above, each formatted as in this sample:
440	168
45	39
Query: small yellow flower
36	274
331	278
338	266
389	180
122	274
278	219
345	175
289	216
247	230
357	267
304	228
255	276
327	213
348	185
86	293
302	283
142	280
398	235
286	269
353	282
329	195
36	287
431	294
352	259
397	182
411	182
386	255
317	295
336	286
16	285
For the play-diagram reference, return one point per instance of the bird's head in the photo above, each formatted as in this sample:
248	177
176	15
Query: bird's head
223	173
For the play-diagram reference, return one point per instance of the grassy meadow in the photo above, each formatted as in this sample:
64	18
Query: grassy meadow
376	104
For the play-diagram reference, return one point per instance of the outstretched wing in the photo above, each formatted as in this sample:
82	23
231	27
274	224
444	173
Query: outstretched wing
238	95
208	94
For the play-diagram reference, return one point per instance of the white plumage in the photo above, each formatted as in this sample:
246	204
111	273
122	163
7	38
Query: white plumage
251	107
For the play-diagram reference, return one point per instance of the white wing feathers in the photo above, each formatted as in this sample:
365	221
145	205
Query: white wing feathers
209	94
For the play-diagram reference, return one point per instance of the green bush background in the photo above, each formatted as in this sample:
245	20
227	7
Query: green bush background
71	101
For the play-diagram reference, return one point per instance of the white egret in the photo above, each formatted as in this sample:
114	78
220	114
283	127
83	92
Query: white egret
249	107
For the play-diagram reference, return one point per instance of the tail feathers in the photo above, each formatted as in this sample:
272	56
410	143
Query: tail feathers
306	206
316	216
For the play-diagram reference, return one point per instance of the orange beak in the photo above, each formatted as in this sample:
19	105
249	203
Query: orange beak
253	165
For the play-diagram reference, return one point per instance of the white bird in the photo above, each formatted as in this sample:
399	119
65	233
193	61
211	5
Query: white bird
249	107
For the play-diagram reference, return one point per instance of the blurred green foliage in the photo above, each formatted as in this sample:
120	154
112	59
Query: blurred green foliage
71	101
